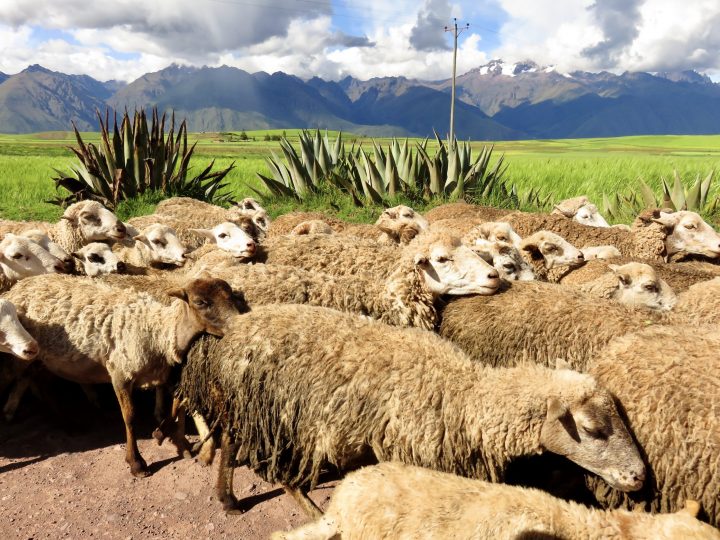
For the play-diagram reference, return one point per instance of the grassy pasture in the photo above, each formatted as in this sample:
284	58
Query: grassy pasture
563	168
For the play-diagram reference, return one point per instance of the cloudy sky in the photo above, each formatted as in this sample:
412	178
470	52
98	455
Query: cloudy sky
122	39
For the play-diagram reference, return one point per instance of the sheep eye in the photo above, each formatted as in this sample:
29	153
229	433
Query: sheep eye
509	266
17	256
550	248
158	242
442	259
95	258
502	238
407	216
201	303
690	226
594	432
90	219
651	287
222	235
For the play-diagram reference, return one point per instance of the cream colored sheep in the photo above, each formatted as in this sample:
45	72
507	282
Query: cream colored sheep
580	209
538	322
393	500
43	240
506	259
230	238
284	225
14	339
688	234
635	285
600	252
668	381
80	224
493	231
20	258
98	259
550	255
312	226
700	304
292	398
91	333
459	226
155	246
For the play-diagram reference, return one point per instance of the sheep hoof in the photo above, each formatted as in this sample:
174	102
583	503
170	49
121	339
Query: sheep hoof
207	453
158	435
232	506
139	469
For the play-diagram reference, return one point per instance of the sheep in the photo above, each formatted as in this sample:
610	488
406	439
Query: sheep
333	254
296	388
550	255
699	304
81	223
633	284
20	258
679	276
90	333
312	226
600	252
14	338
687	234
580	209
186	230
668	381
156	246
198	214
43	240
98	259
393	500
462	209
506	259
397	225
643	242
231	238
492	231
540	322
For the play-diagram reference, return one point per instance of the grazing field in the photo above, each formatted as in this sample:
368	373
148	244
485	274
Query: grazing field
561	168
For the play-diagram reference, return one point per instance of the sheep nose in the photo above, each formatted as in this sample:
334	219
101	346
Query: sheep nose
31	349
251	245
60	267
120	227
184	255
121	266
581	257
493	274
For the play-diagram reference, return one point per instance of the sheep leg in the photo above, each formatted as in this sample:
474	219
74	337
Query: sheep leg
159	411
306	503
16	394
173	426
224	485
207	450
123	392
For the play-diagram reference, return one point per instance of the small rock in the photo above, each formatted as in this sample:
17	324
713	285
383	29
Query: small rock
181	495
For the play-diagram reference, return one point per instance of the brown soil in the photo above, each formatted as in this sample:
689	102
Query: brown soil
57	482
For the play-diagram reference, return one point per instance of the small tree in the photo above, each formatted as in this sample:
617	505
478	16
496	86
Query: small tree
136	159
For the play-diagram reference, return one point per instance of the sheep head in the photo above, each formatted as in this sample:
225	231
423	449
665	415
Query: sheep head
688	233
640	286
312	226
94	221
492	231
14	339
553	249
588	430
505	258
401	223
97	259
249	207
231	238
43	240
580	209
162	244
448	267
20	258
212	305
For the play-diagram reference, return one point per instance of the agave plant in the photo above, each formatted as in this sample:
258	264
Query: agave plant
134	160
674	195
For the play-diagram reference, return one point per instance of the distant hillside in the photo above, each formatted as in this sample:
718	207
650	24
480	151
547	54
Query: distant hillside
496	101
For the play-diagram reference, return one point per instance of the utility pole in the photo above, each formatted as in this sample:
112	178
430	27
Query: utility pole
456	32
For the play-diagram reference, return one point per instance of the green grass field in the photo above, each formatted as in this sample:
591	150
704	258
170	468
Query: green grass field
561	168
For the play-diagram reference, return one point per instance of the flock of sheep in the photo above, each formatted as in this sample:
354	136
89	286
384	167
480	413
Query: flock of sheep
456	351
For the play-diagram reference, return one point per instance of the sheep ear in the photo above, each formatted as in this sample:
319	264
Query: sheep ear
141	238
408	232
71	219
561	363
563	211
531	246
178	293
207	233
78	255
555	409
692	508
420	260
624	279
666	220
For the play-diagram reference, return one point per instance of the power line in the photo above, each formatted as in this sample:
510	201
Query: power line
456	32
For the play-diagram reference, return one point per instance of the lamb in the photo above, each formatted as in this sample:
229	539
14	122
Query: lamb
91	333
633	284
156	246
20	258
80	224
540	322
312	226
600	252
668	381
550	255
580	209
392	500
43	240
333	254
231	238
188	235
506	259
462	209
291	399
492	231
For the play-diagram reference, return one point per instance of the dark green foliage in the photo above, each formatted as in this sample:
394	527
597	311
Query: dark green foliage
135	159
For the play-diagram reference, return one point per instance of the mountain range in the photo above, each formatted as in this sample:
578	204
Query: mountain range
497	101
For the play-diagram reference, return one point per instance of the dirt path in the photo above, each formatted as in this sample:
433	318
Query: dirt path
60	484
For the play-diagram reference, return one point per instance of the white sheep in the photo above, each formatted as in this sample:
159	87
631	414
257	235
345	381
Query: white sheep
493	231
14	339
506	259
97	258
600	252
580	209
393	500
297	388
91	333
155	246
230	238
20	258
